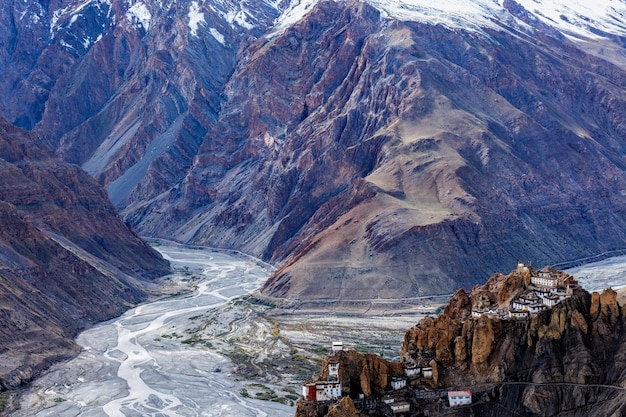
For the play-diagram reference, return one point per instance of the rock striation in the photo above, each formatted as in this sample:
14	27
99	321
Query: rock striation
366	153
67	260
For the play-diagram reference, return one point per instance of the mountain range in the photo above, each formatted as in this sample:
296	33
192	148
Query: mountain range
369	149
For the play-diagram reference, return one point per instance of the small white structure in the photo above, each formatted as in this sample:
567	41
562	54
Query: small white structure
400	407
412	371
398	383
537	308
427	372
327	390
521	268
388	400
337	347
544	280
333	370
459	398
518	314
551	300
308	391
571	288
477	313
543	292
324	390
520	304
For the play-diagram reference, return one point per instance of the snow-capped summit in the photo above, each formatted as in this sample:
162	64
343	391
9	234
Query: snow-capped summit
578	18
575	18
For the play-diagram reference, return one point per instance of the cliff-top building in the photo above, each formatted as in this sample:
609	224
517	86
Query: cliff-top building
328	390
544	290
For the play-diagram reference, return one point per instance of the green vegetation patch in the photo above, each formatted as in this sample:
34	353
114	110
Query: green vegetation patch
196	339
4	400
265	393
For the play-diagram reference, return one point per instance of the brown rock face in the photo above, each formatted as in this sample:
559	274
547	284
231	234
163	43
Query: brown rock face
366	374
66	259
360	374
345	408
577	343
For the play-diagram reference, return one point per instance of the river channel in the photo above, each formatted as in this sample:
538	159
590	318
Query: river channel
136	366
207	350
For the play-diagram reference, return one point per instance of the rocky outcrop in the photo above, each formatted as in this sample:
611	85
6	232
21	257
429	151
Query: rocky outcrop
345	408
563	360
361	375
366	374
567	360
67	260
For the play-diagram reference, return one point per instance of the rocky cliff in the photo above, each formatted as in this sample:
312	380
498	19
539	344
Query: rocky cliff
369	149
67	260
567	360
361	374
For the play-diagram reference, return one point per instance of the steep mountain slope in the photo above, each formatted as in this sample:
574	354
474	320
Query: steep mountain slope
66	258
370	149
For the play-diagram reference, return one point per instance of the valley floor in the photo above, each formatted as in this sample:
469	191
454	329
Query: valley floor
207	347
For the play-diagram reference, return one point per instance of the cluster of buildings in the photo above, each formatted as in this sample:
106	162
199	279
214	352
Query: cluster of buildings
413	371
546	289
541	290
330	389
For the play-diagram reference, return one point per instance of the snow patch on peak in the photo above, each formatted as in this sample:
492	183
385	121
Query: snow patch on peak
140	15
55	18
196	17
65	19
472	14
241	18
576	18
218	36
587	19
296	11
467	14
33	13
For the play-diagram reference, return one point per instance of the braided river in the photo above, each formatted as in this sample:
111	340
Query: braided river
127	368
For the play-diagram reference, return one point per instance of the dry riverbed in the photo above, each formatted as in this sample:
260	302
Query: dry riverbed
205	347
